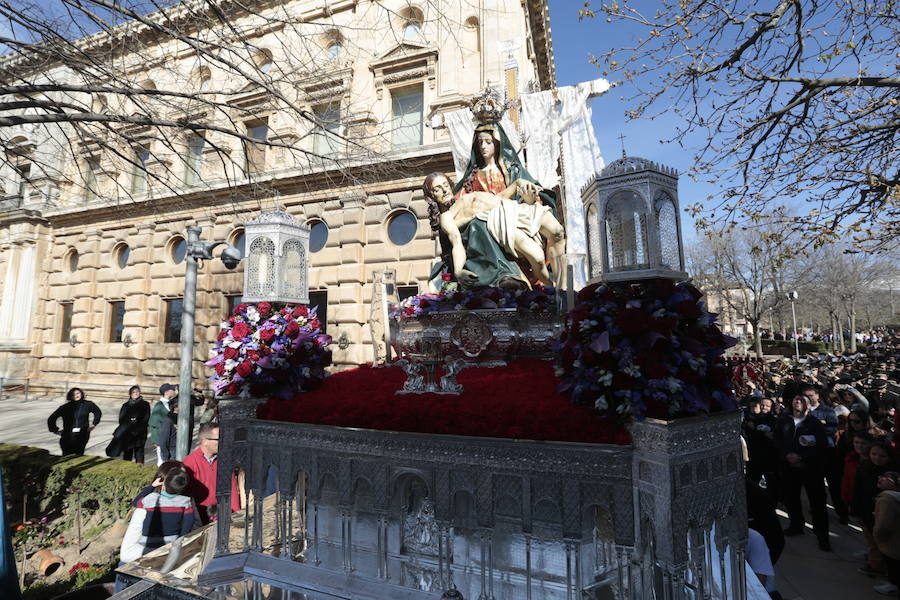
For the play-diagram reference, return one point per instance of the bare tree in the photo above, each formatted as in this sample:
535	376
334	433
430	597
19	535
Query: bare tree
844	283
795	99
749	271
140	93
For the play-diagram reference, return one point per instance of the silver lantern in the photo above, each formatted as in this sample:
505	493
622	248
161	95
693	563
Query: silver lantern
277	267
631	210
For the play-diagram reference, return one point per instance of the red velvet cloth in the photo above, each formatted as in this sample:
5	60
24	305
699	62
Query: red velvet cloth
519	401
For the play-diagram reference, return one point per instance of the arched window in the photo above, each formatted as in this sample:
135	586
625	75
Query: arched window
202	77
411	22
263	60
333	42
472	34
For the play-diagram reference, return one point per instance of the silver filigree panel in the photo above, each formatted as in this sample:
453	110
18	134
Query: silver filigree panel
261	268
294	269
595	250
668	232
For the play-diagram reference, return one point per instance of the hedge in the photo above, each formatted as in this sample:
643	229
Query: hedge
786	348
106	485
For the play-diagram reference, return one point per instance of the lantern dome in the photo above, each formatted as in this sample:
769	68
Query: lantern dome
633	222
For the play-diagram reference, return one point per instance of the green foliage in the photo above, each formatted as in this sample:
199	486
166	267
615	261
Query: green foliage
83	574
786	348
106	485
41	590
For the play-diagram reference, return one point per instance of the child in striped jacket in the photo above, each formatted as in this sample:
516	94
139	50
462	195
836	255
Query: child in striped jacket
169	514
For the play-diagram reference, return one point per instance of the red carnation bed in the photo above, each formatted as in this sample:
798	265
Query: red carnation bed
519	401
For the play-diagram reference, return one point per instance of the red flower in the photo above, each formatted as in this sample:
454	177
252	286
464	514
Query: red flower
266	335
632	321
220	369
688	308
230	353
240	308
314	324
264	308
245	368
234	389
240	331
301	311
446	276
292	329
253	355
221	335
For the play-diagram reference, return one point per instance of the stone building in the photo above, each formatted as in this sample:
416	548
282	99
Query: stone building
92	251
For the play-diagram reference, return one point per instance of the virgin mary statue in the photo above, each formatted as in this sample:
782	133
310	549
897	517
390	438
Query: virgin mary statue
493	165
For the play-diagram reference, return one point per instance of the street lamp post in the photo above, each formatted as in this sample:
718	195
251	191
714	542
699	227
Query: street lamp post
792	296
196	251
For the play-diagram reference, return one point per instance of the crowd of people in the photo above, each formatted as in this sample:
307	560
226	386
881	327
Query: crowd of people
825	426
78	416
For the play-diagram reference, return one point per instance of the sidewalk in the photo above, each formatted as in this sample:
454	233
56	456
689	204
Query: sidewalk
25	423
806	573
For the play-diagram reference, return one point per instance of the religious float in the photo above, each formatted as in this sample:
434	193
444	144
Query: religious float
524	442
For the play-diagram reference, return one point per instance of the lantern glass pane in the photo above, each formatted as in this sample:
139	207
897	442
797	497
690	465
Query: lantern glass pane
668	233
627	236
594	246
261	267
293	271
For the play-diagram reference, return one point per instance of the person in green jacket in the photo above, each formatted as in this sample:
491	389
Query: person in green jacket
167	392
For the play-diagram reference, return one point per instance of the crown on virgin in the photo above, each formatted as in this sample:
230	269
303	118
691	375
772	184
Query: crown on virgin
489	106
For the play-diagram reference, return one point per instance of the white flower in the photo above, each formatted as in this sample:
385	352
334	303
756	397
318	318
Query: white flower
674	384
633	304
601	403
252	315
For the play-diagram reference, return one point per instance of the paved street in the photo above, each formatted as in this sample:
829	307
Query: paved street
25	423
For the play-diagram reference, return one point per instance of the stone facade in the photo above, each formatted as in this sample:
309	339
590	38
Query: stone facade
61	249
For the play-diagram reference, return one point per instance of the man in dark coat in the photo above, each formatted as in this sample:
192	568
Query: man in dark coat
76	426
834	466
802	444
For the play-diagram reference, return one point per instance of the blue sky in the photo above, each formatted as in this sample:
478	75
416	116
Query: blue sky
573	42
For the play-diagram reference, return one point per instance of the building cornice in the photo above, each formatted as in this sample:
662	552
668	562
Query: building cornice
538	13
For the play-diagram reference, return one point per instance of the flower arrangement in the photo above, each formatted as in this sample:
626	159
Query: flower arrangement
537	299
265	351
644	349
